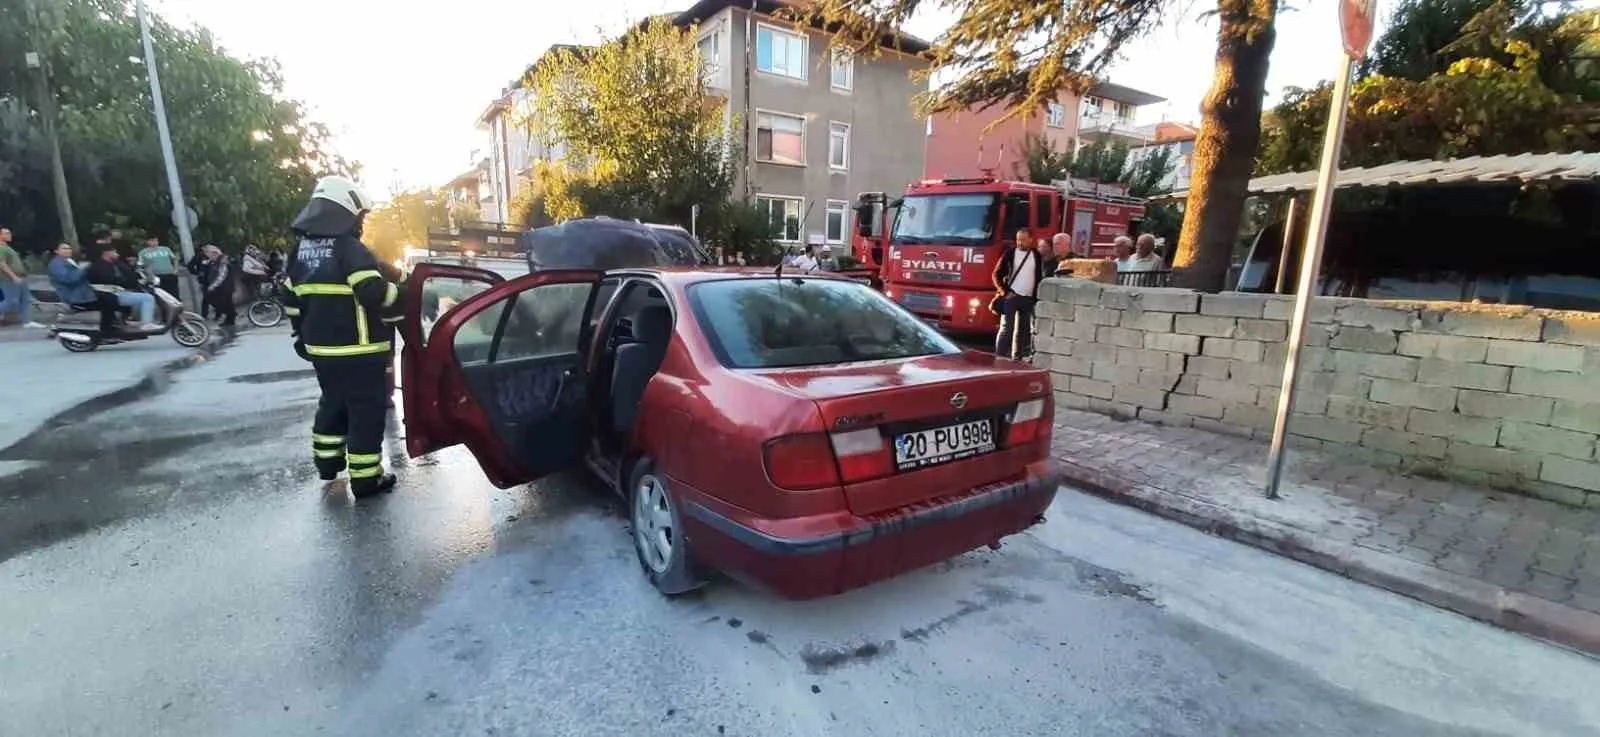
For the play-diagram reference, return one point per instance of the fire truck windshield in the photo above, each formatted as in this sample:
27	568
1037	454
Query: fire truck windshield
966	219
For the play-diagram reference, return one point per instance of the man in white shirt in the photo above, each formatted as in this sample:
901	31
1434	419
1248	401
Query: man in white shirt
1016	278
1144	256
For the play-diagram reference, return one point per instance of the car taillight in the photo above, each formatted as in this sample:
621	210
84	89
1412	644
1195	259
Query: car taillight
800	462
862	454
1026	420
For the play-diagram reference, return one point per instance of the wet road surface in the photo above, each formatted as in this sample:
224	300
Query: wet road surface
173	567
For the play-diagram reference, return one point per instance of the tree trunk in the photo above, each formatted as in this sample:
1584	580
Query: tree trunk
1225	151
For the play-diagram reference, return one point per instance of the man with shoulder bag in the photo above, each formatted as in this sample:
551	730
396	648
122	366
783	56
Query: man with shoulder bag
1016	279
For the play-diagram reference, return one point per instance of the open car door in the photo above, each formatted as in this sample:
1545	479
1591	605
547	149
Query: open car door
502	372
432	290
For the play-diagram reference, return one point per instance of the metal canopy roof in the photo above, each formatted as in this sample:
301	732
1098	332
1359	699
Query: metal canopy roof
1576	166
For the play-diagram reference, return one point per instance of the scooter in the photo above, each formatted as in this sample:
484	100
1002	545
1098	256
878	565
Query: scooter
79	330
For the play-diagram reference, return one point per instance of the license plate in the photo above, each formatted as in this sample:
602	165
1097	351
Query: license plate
938	445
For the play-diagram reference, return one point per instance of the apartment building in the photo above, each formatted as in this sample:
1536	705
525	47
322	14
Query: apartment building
819	127
958	144
513	149
1178	138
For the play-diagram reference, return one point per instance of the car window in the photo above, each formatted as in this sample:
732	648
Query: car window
440	293
770	323
543	321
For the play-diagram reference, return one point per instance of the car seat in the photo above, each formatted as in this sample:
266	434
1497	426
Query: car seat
638	357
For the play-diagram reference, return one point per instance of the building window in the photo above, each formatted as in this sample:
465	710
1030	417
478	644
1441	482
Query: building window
779	52
1056	116
837	215
839	145
783	216
711	52
781	139
843	72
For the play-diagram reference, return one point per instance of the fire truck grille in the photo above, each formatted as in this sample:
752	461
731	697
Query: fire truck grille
935	276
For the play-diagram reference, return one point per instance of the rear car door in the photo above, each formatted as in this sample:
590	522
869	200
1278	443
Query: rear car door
431	290
509	377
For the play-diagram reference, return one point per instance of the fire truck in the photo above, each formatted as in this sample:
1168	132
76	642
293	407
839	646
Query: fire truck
935	248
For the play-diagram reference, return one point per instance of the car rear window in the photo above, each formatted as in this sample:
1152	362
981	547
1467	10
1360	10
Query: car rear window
773	323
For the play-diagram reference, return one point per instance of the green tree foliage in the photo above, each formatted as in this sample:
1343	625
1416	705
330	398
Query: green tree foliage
404	221
1507	99
644	138
247	155
1042	163
1023	52
1147	175
740	228
1413	46
1100	161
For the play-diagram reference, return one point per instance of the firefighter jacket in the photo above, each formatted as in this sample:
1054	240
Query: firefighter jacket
337	299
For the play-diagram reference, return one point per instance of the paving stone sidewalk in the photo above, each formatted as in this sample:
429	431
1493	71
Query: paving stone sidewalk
1519	562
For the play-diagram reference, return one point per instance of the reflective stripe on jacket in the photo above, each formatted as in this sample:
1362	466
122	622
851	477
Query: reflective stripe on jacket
336	298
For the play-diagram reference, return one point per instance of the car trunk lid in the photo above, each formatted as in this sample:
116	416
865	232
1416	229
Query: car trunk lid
951	410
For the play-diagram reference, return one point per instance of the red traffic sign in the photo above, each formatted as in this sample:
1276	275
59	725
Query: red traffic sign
1355	25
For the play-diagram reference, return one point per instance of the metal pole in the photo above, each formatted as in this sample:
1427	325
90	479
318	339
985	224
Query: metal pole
1310	264
47	119
180	210
1288	243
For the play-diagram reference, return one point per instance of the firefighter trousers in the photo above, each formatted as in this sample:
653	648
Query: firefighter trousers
348	429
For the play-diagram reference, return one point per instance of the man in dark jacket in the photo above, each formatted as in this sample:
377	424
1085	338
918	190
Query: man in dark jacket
200	266
337	301
1016	278
111	270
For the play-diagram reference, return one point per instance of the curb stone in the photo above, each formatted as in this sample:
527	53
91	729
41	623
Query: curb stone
1519	612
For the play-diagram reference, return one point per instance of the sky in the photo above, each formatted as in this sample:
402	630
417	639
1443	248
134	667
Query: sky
401	85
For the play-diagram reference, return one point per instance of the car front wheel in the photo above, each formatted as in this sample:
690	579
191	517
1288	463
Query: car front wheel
658	533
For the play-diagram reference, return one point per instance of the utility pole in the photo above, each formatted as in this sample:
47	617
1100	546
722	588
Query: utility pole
39	59
180	210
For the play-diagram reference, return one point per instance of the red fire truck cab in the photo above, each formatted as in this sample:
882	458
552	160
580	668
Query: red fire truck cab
936	247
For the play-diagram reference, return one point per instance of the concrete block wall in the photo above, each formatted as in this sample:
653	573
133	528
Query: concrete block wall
1497	395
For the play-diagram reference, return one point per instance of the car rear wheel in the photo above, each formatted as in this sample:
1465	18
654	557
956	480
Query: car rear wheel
658	533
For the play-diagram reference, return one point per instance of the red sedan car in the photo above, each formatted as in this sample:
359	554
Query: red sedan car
804	434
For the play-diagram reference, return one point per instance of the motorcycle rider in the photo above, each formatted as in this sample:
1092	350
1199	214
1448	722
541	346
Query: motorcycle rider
71	283
111	270
336	300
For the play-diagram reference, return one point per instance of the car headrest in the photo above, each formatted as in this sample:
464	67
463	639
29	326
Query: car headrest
652	324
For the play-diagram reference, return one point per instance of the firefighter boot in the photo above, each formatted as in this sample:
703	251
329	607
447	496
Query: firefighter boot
372	486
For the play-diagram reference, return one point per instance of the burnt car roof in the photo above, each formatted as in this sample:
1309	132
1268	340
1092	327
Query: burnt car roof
605	244
693	274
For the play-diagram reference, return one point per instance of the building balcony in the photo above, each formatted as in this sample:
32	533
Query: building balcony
1094	126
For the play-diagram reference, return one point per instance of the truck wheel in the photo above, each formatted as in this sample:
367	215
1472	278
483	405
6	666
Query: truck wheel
658	533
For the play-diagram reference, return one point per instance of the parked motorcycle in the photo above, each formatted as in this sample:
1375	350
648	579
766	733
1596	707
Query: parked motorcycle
79	330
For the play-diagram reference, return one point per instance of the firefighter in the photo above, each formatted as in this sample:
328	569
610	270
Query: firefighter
341	308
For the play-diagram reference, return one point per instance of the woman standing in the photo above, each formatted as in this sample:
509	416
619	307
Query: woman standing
220	287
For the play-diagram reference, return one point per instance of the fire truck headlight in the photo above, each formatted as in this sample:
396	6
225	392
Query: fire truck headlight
949	301
974	302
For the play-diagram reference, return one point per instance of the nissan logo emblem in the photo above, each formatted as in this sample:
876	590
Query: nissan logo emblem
958	400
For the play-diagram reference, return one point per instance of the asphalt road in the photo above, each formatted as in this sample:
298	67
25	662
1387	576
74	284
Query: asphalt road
172	567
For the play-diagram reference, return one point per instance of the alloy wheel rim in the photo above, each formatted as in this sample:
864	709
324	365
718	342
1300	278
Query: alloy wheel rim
652	524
